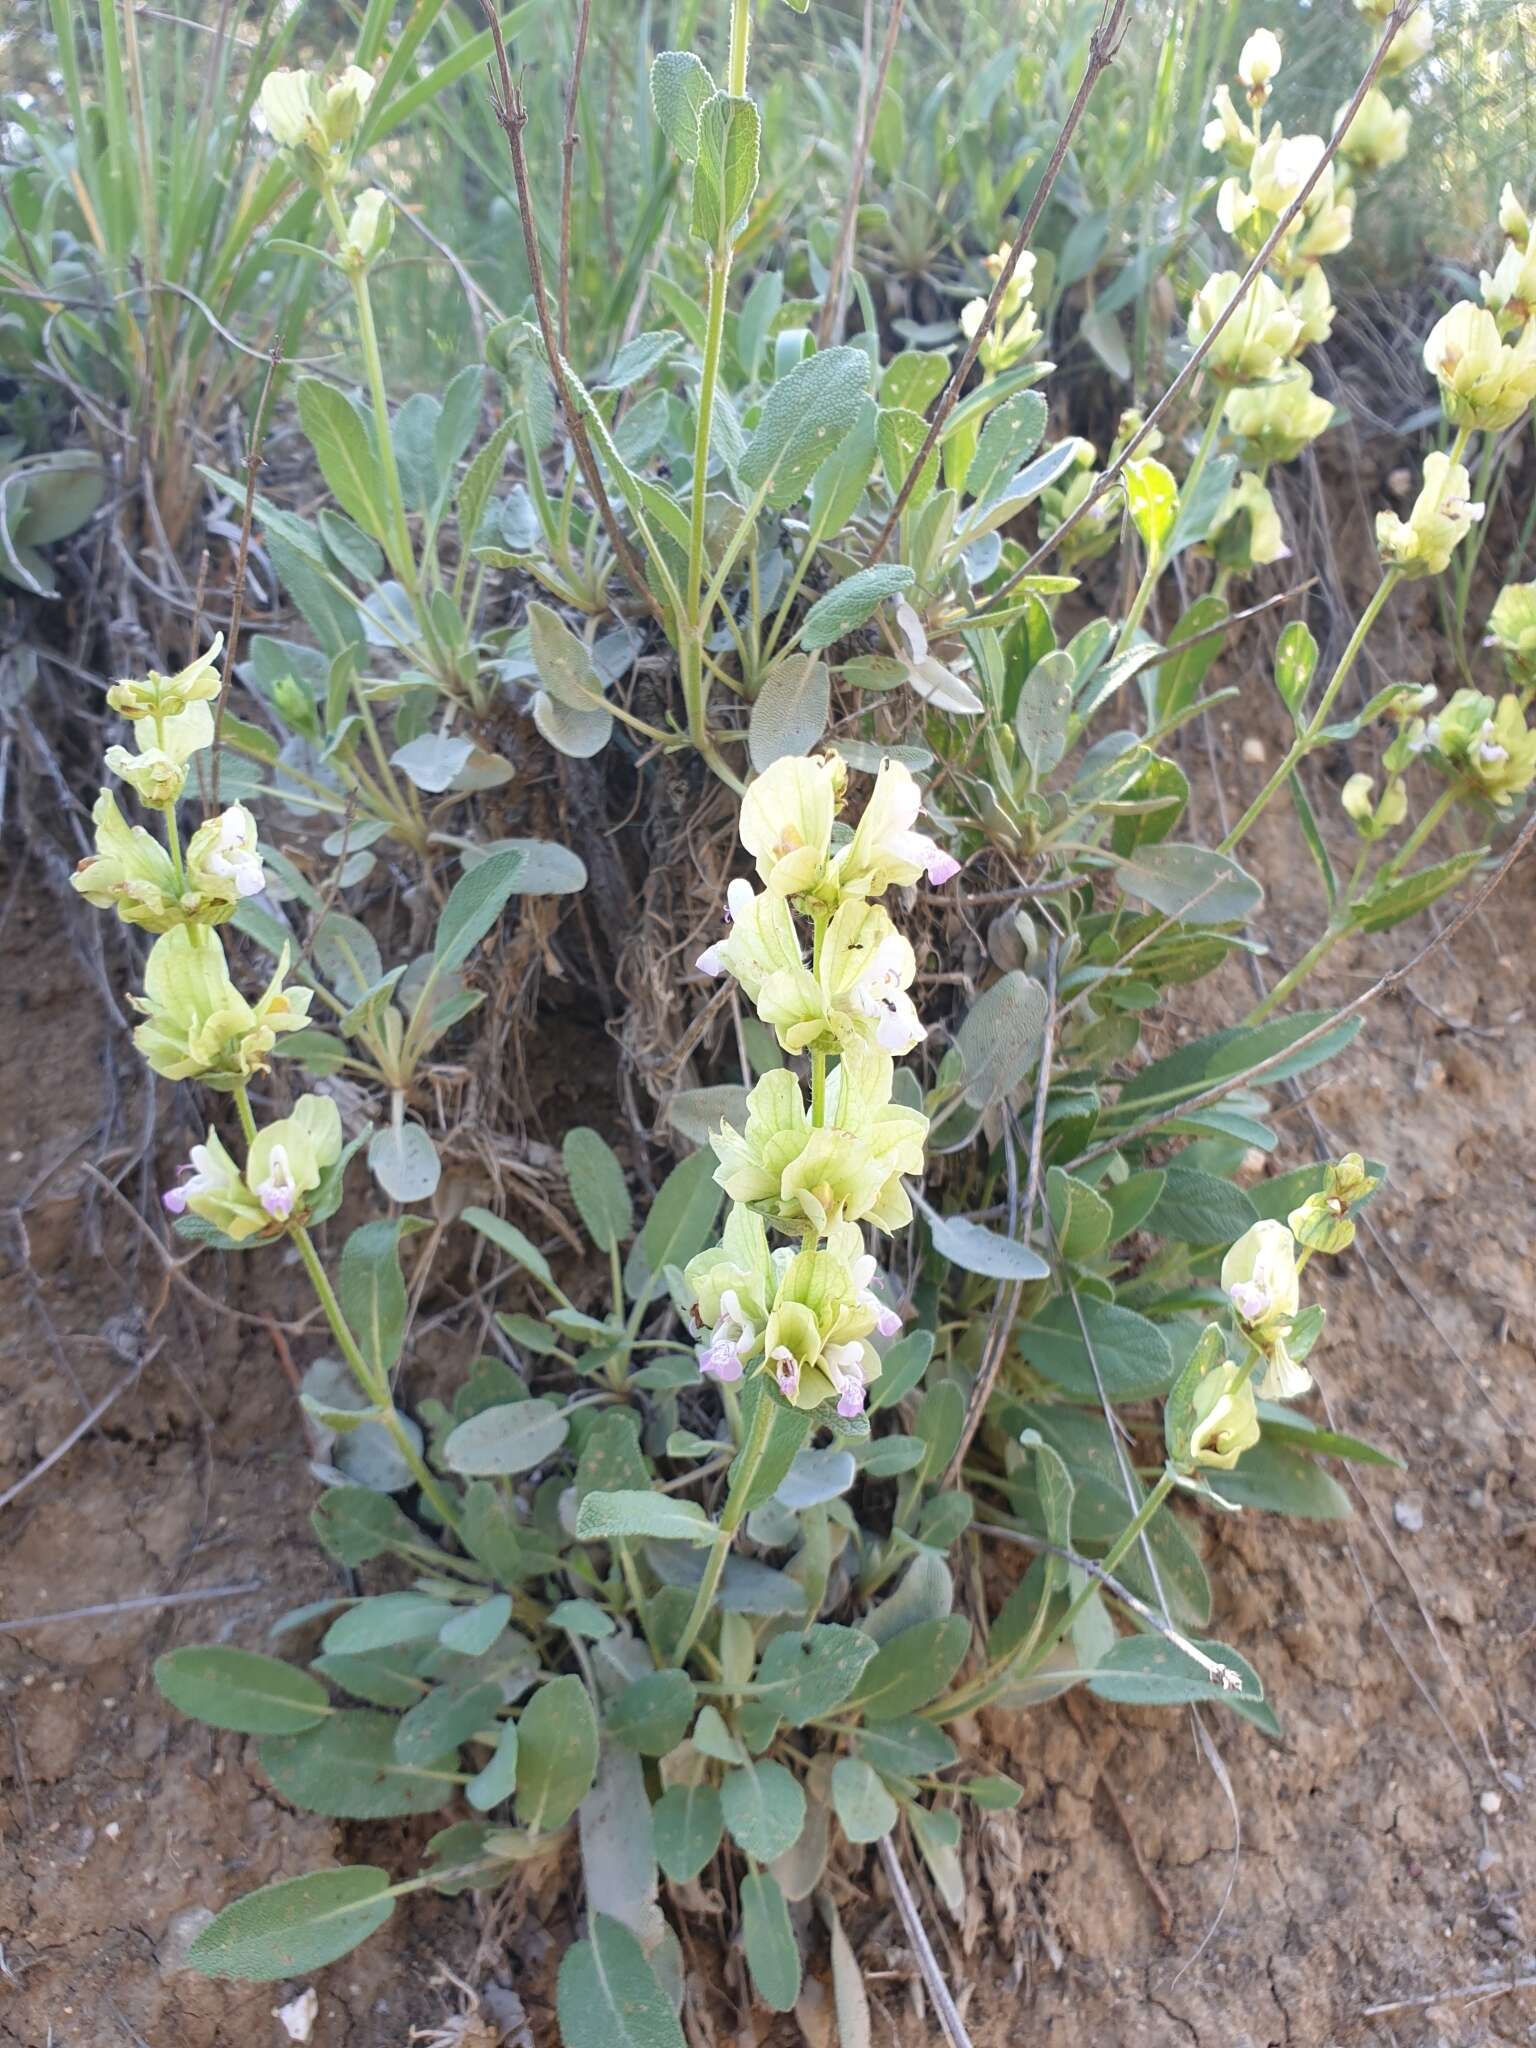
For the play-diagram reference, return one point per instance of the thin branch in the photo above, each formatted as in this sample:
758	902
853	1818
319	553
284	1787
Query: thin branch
568	153
1102	46
830	325
1390	980
1192	368
922	1947
512	117
134	1606
1005	1314
242	556
1499	1988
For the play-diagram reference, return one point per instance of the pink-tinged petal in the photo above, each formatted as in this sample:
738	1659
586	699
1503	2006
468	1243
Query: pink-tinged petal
720	1362
850	1401
711	962
277	1201
786	1370
942	868
887	1322
174	1201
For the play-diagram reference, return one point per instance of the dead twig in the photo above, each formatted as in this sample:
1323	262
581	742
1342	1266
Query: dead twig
512	117
922	1947
1497	1989
242	556
829	327
1102	45
568	158
1192	368
142	1603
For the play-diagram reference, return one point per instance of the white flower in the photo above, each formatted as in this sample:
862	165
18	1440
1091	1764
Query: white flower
843	1365
887	1322
234	853
729	1342
279	1191
205	1176
880	992
886	850
1260	59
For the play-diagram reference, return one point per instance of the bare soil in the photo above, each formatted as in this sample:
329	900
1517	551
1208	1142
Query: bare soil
1385	1852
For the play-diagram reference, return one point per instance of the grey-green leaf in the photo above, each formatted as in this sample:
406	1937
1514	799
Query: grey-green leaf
805	415
240	1689
347	1767
557	1754
607	1994
764	1809
859	1799
344	449
474	904
847	605
629	1512
680	88
789	712
292	1928
912	1668
514	1436
688	1825
772	1954
598	1187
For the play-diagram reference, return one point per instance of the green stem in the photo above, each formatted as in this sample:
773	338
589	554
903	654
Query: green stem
989	1685
1306	739
1289	983
741	37
1421	831
402	558
374	1385
732	1516
243	1110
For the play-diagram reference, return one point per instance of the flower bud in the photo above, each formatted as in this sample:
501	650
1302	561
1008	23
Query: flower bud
1225	1418
1372	820
1246	532
1356	797
1412	43
1513	218
1484	383
1322	1223
1377	137
1443	514
368	230
1258	63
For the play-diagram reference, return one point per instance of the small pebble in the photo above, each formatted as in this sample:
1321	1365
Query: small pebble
1490	1802
297	2017
1408	1514
1254	750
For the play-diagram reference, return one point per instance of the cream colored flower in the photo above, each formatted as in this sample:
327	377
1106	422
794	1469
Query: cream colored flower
1412	43
1443	514
157	772
1226	1418
887	851
1377	137
1258	1277
1312	308
786	821
1276	421
197	1024
1484	382
288	1161
158	696
1509	292
1257	64
1227	132
1512	629
1246	532
1256	342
